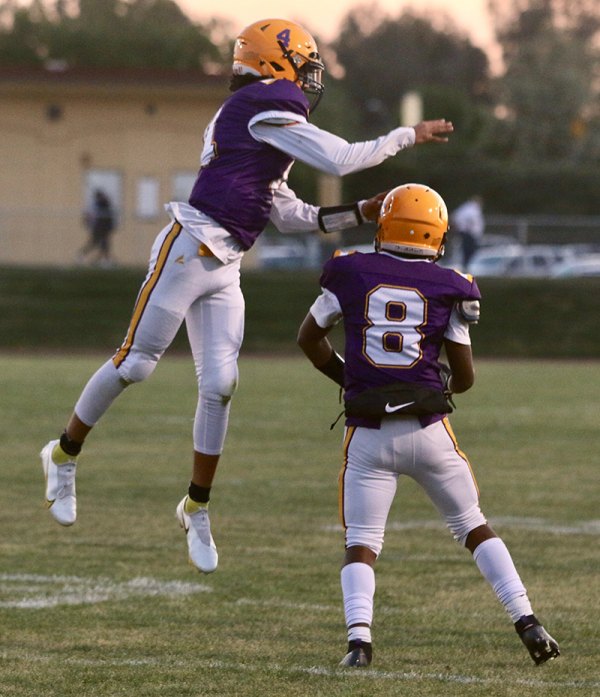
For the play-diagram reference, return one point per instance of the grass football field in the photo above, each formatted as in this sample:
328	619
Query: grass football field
111	607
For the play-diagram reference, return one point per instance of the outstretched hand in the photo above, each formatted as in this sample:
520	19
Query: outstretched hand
371	207
433	131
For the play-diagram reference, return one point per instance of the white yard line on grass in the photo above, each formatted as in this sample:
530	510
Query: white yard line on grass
33	591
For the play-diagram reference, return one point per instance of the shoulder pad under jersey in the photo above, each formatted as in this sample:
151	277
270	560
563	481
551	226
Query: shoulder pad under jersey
470	310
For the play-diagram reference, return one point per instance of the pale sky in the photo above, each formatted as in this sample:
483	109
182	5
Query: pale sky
323	17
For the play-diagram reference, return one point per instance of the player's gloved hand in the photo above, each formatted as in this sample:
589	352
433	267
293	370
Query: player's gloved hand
446	377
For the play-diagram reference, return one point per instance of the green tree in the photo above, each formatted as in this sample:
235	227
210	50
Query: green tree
384	58
105	33
18	43
548	95
381	59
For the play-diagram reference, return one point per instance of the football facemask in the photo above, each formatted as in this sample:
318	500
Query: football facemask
413	220
280	50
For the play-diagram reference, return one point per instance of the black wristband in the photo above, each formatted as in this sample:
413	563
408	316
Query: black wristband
333	218
333	368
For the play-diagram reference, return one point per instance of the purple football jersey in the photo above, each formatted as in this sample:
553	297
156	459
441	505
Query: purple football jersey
234	186
395	315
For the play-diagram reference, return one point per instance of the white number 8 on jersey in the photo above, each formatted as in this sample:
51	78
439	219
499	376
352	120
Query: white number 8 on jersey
392	337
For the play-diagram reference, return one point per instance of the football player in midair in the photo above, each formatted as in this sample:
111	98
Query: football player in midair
399	310
193	274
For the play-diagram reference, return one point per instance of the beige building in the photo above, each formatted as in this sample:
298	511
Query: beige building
135	134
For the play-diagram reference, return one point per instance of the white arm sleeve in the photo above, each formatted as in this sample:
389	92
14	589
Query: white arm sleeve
326	309
323	150
291	214
458	329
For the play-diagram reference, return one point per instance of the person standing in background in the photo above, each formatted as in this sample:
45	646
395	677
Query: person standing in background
100	220
468	223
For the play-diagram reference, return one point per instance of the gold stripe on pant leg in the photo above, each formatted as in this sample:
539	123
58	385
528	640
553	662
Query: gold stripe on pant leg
145	293
450	432
347	438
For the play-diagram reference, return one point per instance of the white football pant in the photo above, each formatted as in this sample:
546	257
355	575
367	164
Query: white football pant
180	284
374	460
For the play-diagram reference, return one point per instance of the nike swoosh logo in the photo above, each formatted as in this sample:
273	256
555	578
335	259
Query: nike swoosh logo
390	409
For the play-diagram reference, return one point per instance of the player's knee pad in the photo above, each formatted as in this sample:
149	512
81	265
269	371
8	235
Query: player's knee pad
461	525
219	384
364	536
153	335
138	366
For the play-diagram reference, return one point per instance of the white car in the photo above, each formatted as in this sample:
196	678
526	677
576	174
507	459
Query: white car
539	260
285	255
582	266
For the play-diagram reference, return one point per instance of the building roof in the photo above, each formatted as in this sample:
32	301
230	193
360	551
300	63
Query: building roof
58	77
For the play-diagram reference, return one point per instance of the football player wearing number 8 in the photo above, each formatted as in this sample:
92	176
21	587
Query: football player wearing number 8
193	275
399	310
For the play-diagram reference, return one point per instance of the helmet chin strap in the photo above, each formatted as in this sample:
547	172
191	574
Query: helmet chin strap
287	54
442	248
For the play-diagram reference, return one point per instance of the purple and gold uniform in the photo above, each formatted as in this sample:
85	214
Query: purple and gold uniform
193	274
396	313
248	149
234	187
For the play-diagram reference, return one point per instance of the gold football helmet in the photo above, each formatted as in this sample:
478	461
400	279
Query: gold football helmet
413	220
281	50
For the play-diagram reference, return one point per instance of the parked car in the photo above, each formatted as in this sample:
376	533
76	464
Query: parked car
539	260
517	260
285	255
588	265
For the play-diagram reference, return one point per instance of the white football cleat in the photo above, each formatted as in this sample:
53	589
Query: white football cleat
60	486
201	546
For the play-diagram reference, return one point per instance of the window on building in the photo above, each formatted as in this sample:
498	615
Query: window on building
147	201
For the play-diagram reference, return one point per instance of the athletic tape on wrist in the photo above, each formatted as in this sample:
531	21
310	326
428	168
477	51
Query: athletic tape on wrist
333	218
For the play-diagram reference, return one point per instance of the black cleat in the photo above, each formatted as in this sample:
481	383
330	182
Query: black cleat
541	646
359	655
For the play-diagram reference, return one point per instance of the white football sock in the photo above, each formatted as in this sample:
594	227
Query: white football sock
358	590
497	567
